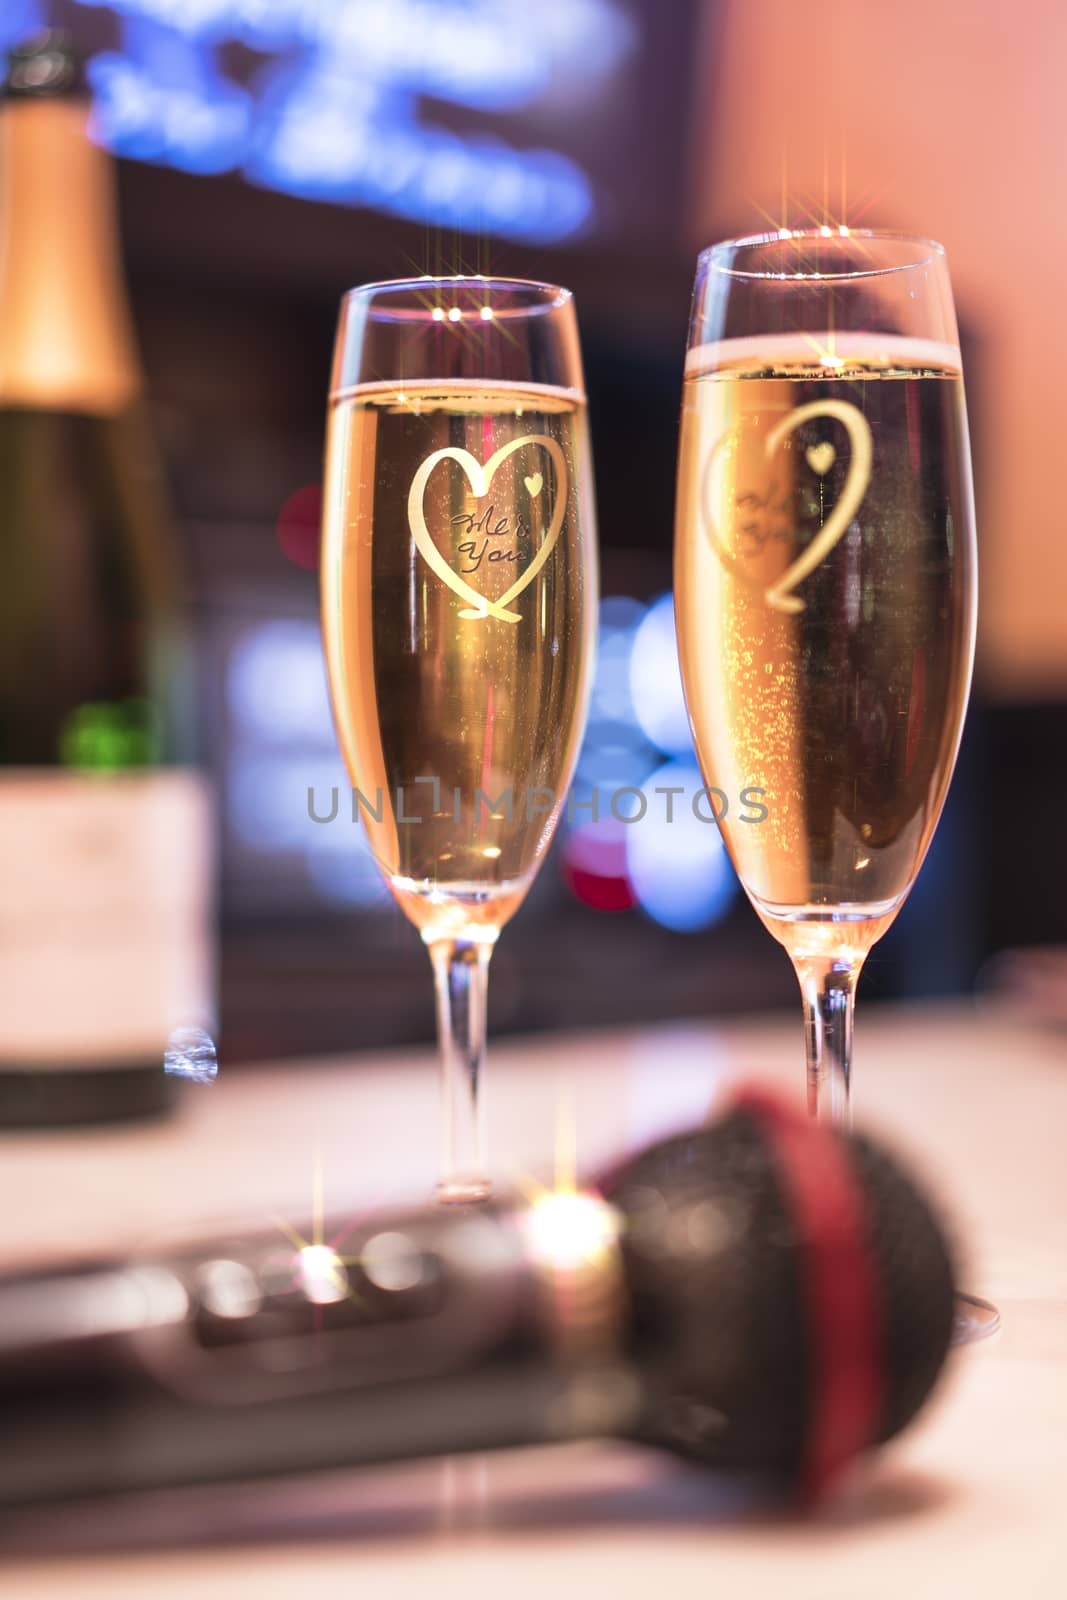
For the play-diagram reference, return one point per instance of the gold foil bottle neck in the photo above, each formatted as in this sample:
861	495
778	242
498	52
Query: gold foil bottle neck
66	341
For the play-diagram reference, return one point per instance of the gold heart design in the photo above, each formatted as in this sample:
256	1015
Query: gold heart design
480	477
779	595
534	485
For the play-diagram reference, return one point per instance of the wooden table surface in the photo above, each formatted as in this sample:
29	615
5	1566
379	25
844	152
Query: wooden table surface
972	1501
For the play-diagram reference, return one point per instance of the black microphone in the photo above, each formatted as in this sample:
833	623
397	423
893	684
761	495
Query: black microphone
763	1295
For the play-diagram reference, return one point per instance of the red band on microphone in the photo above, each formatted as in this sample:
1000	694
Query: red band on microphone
840	1294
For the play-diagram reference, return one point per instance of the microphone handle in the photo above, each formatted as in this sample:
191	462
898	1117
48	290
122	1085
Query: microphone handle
444	1332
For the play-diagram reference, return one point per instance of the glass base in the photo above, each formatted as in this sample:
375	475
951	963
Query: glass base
973	1319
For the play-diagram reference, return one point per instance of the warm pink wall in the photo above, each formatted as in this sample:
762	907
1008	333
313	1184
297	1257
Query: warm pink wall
952	116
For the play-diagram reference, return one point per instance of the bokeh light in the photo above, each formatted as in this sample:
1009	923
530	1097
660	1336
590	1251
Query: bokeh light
675	871
594	866
656	681
276	684
680	872
299	526
283	770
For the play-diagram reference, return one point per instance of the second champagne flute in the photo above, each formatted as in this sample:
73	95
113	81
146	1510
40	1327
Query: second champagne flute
459	593
825	584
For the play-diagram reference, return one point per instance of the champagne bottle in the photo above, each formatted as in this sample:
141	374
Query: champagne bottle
104	870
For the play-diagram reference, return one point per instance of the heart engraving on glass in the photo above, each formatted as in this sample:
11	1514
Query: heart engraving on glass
820	457
480	478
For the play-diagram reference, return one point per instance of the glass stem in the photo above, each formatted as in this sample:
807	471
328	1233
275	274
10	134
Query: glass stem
461	970
829	990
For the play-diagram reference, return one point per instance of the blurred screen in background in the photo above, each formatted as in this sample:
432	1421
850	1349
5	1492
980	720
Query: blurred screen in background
273	153
455	113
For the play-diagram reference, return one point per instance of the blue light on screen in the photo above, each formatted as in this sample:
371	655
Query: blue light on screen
333	110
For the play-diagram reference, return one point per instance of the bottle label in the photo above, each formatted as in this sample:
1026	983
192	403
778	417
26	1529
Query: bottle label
105	915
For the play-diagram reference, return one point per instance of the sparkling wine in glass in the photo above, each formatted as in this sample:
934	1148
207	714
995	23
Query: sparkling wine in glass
459	592
826	584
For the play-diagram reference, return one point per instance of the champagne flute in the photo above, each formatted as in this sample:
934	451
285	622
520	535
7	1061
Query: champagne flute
825	583
459	593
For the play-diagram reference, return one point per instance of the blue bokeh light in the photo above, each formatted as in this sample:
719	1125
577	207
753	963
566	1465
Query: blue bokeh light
282	744
267	802
19	19
679	870
611	699
656	681
282	769
675	866
342	868
276	685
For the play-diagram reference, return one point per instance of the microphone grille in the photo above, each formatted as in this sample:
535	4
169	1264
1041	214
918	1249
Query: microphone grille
720	1325
915	1281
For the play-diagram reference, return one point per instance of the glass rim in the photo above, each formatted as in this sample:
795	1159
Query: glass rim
926	249
543	297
